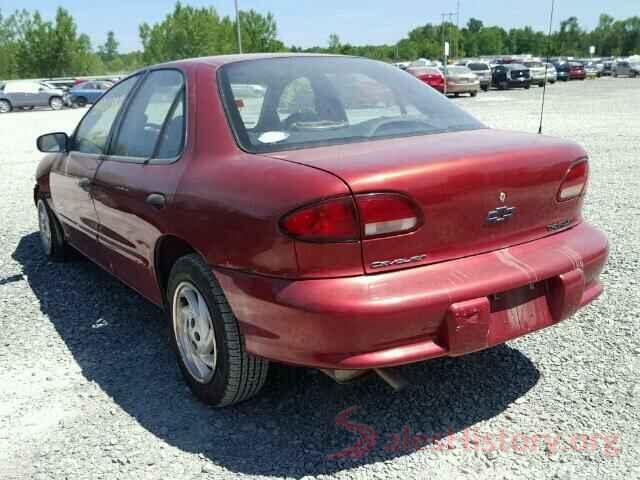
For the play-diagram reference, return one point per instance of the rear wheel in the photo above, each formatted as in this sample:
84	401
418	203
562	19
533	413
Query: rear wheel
527	87
81	102
5	106
473	94
52	239
56	103
485	88
206	337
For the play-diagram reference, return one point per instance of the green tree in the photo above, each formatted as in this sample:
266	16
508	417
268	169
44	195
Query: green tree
259	32
334	43
109	50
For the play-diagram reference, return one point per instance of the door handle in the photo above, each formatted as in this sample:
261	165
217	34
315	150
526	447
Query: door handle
85	184
156	200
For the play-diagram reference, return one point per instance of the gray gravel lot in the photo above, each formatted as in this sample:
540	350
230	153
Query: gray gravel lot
90	389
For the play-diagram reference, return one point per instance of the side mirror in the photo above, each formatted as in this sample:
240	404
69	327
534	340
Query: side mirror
53	142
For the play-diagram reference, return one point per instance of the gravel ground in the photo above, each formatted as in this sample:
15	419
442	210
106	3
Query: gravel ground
89	388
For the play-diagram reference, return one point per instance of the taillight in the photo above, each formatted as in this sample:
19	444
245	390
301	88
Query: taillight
335	220
574	181
386	214
329	221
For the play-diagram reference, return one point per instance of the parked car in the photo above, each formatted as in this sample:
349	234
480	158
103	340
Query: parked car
607	68
624	68
461	80
537	71
26	95
593	69
88	92
511	75
482	71
577	71
344	240
432	76
562	69
552	74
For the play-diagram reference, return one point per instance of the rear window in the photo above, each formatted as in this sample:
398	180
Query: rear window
300	102
533	64
478	66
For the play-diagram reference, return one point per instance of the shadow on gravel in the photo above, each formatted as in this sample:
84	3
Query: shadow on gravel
120	342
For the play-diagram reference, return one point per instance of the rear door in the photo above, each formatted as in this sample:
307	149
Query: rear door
135	184
72	176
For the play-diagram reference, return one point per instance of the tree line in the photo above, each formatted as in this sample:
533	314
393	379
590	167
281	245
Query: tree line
33	47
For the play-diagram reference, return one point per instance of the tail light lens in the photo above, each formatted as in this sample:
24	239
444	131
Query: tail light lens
386	214
329	221
336	220
574	182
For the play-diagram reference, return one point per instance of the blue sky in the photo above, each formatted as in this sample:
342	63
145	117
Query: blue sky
309	22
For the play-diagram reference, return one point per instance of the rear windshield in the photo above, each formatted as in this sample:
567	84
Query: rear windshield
533	64
478	66
299	102
516	66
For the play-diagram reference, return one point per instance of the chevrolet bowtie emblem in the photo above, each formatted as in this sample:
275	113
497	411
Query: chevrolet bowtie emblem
501	214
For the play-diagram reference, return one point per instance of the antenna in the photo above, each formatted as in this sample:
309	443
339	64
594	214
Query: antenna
546	65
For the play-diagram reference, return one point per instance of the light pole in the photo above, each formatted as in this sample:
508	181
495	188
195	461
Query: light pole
238	28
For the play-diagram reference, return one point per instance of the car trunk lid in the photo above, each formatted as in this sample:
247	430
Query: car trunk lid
460	181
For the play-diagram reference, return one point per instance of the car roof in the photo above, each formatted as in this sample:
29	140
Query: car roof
220	60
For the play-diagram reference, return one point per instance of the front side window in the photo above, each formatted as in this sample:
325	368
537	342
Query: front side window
155	102
309	101
93	132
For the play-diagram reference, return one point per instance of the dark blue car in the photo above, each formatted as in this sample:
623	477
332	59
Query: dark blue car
88	92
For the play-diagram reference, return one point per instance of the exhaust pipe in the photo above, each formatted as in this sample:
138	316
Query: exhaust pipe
393	378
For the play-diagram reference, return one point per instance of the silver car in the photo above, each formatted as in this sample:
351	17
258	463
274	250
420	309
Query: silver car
26	95
538	72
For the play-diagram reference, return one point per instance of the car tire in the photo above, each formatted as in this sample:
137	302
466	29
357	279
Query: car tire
5	106
527	87
485	88
474	94
54	245
206	337
80	102
503	85
56	103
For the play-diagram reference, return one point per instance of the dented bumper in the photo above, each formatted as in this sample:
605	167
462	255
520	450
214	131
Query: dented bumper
444	309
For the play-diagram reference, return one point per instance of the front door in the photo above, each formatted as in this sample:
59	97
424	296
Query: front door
135	184
72	175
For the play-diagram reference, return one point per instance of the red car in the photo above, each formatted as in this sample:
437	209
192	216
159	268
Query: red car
432	76
577	71
348	239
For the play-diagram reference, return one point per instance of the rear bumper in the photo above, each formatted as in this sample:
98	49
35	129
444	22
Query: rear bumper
463	87
445	309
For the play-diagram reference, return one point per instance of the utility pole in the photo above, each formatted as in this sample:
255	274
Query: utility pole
458	27
238	28
448	16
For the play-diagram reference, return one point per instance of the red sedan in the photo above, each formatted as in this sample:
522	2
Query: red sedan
276	217
432	76
577	71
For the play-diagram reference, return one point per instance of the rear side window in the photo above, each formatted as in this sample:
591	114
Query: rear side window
93	132
154	104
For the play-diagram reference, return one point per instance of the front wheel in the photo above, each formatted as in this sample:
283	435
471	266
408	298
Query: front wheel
473	94
5	106
56	103
80	102
206	337
527	87
52	239
485	88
